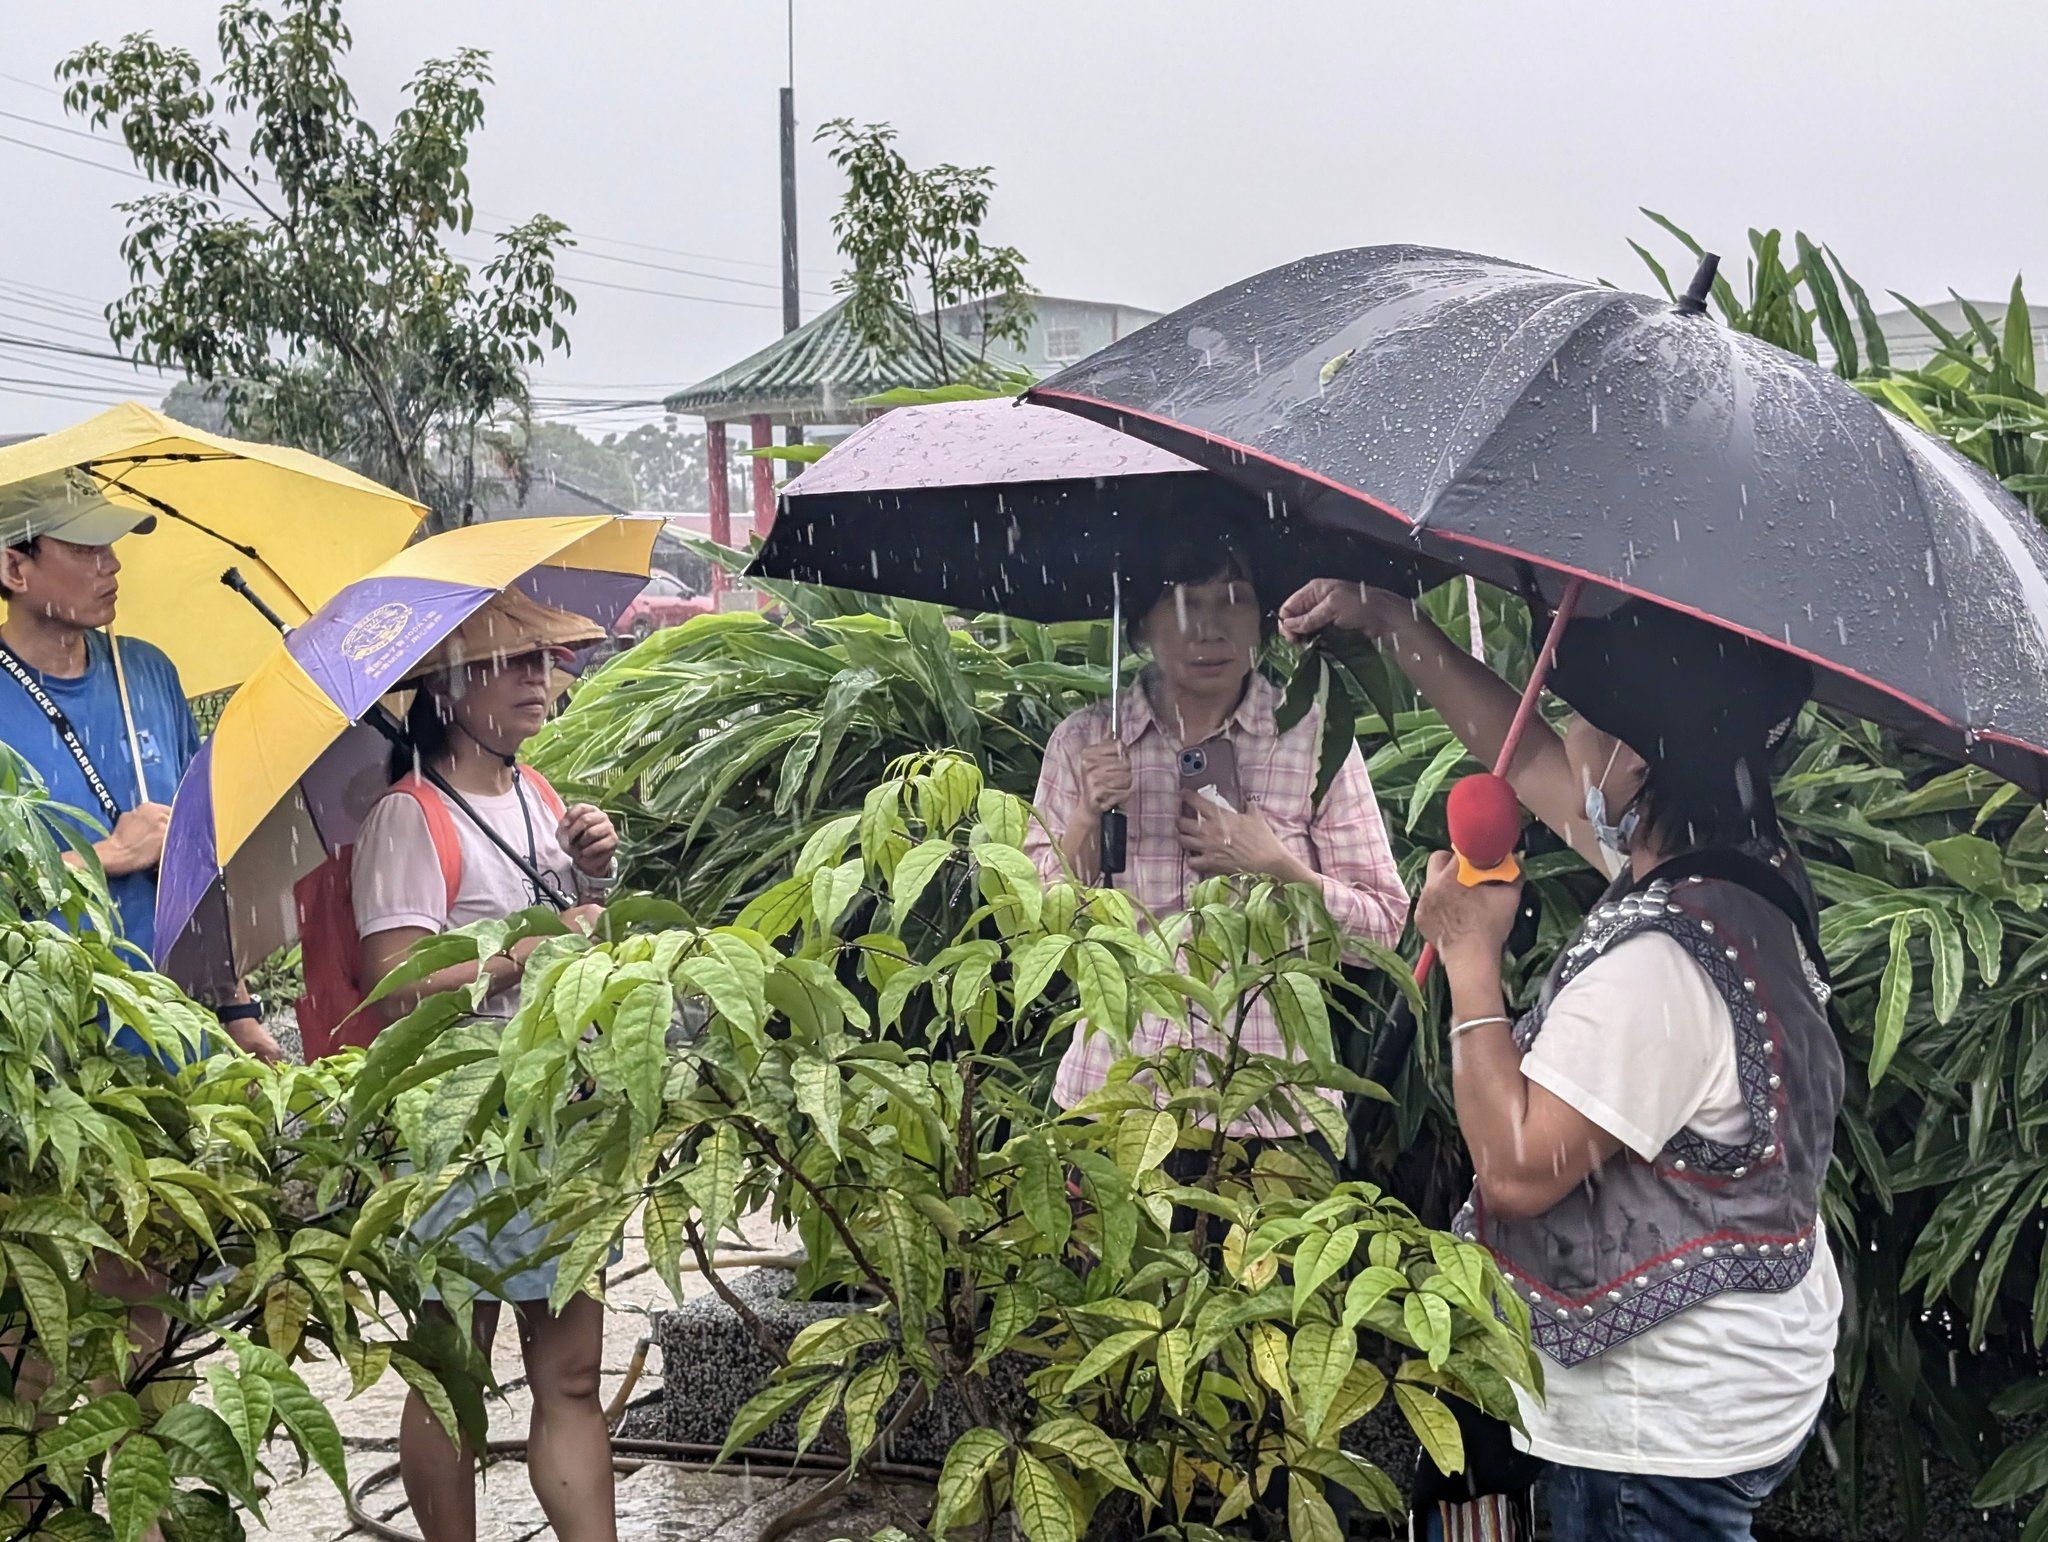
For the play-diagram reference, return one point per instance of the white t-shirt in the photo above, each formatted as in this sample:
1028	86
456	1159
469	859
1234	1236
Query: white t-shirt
1641	1044
396	873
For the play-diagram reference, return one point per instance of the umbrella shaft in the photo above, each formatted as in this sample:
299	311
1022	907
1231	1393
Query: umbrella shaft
234	580
1525	712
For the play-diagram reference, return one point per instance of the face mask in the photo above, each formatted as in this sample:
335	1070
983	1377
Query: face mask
1615	837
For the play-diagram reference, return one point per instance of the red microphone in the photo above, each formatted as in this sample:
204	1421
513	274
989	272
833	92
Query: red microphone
1486	827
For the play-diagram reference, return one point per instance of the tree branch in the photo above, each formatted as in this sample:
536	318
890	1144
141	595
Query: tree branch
746	1314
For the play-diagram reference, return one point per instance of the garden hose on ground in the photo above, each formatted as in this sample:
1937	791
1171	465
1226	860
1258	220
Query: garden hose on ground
629	1456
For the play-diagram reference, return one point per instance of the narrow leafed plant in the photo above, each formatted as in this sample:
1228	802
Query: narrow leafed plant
1154	1328
188	1181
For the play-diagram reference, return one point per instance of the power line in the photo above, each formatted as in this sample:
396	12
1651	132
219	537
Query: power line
574	278
33	85
83	353
44	324
582	236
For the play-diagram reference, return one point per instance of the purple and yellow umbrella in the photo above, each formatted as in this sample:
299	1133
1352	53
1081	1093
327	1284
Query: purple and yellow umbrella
294	768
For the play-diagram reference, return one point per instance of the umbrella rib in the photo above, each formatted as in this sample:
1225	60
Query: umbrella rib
169	457
242	547
1607	302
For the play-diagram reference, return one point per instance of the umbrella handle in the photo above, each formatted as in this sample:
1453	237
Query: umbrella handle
1525	712
234	580
1113	836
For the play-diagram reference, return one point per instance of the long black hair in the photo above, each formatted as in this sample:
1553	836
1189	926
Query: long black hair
1704	706
426	735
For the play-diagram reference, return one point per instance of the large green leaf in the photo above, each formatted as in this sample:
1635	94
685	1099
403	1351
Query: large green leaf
1434	1425
1894	992
1040	1502
966	1467
1087	1447
88	1430
1320	1359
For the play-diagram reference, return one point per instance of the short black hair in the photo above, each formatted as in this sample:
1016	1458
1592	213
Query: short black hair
1185	562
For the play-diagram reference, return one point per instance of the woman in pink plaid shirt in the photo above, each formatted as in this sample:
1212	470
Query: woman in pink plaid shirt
1204	623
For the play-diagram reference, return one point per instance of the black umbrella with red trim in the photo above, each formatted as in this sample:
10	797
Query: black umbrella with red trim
1543	433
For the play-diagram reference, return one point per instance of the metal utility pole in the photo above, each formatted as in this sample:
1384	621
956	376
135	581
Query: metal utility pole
791	318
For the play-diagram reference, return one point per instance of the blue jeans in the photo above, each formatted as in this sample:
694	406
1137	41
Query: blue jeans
1590	1506
1586	1505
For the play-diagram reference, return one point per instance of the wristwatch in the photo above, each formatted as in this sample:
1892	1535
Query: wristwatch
250	1011
597	886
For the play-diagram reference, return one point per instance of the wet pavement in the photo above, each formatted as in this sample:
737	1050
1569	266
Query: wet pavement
657	1503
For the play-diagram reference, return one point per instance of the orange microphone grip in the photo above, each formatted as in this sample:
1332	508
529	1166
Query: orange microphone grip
1486	827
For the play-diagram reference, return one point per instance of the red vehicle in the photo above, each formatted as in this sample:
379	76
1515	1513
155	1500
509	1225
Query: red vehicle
664	602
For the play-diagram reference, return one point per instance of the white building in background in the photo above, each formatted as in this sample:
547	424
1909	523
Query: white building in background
1063	331
1912	345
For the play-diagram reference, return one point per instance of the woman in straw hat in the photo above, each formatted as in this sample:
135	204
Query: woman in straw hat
481	695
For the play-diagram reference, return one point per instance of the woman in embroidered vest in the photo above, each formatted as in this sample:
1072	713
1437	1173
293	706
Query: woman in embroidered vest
1649	1142
483	693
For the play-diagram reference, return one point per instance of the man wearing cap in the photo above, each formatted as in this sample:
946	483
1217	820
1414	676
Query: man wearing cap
108	734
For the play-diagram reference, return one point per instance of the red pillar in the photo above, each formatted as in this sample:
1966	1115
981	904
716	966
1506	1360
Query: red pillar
764	476
720	493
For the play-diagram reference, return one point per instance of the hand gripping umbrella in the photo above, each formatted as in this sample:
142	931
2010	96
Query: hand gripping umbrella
297	760
999	506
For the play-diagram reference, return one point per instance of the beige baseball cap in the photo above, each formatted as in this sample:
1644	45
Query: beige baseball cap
70	506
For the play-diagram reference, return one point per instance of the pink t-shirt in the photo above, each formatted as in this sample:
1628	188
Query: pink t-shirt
397	873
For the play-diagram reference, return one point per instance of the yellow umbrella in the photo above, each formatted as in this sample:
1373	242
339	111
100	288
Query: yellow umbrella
294	766
296	526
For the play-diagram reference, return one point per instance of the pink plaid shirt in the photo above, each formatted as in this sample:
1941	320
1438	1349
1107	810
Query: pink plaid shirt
1344	841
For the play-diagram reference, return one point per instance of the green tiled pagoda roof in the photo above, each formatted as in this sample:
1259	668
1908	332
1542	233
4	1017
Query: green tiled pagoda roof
821	369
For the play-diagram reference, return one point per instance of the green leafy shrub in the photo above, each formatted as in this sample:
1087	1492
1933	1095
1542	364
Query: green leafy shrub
852	1081
725	743
1933	878
223	1177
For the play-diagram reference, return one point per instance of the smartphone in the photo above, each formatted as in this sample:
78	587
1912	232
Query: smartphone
1212	763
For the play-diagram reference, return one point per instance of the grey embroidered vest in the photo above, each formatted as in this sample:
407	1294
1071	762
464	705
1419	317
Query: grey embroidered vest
1642	1241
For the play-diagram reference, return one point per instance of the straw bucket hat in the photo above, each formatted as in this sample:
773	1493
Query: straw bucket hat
507	626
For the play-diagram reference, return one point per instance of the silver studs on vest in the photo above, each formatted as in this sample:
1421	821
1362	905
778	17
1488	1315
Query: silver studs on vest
1740	1172
1776	1080
1706	1252
1642	1281
1678	1166
1771	1150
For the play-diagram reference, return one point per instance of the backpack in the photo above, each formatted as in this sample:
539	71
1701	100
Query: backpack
330	1011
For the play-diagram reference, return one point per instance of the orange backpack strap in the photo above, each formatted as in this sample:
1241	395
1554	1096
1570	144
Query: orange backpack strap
550	799
440	829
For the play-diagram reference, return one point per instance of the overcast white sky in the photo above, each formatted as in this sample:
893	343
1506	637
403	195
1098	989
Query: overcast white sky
1146	150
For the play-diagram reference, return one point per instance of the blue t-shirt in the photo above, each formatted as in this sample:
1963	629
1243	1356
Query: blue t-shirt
164	731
